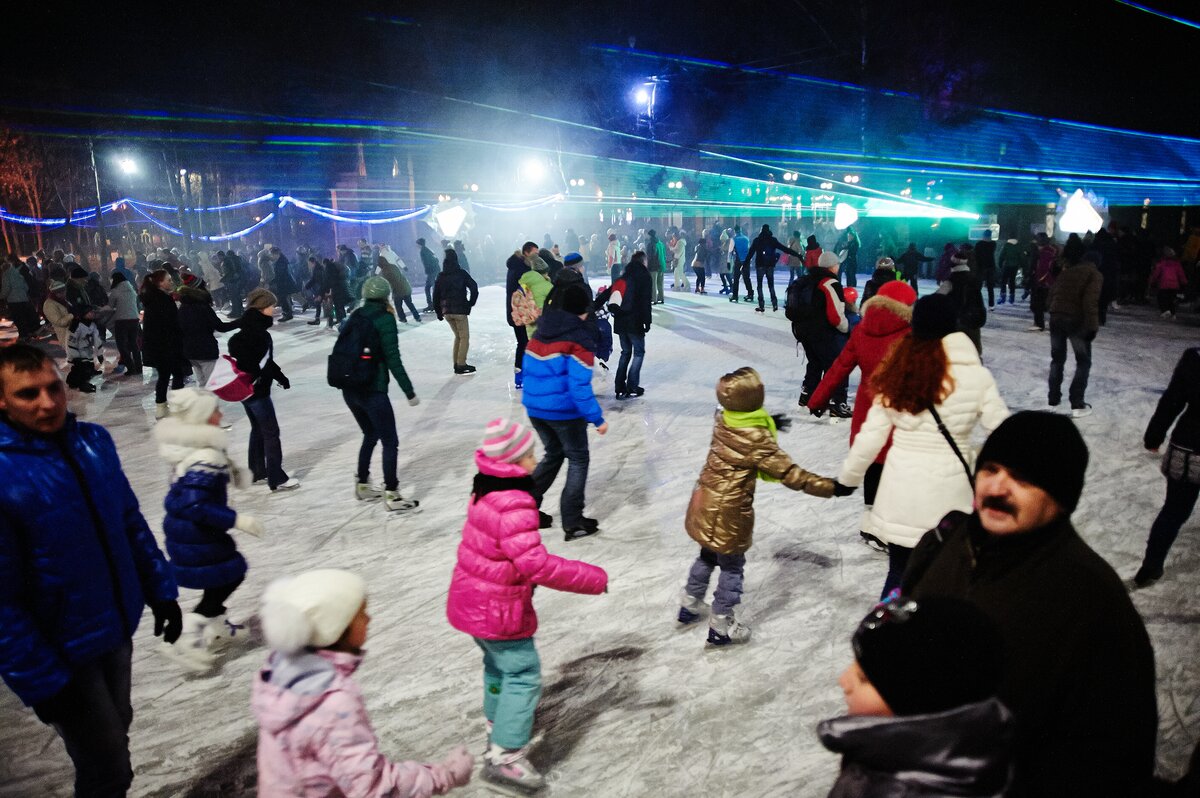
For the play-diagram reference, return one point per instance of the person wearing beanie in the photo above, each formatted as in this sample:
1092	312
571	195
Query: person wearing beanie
57	312
82	343
370	333
816	307
314	736
930	392
886	319
964	290
198	521
253	351
764	251
885	272
720	514
1074	304
500	561
454	294
569	276
1078	667
922	719
77	293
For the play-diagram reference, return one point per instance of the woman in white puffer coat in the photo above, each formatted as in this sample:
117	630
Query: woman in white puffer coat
923	478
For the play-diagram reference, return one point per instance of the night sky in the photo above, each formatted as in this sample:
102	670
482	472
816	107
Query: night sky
1098	61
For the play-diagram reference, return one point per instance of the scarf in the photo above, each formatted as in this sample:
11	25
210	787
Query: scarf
486	483
741	419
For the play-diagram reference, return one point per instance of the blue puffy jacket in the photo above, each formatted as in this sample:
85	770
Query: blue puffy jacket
558	369
77	561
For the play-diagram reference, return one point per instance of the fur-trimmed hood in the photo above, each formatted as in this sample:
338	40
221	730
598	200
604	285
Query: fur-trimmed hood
883	316
187	446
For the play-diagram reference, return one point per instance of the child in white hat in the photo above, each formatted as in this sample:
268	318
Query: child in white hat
314	735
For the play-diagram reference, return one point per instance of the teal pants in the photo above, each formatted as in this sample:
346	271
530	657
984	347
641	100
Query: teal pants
512	685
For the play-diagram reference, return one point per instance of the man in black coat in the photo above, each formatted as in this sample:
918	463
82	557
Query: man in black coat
430	263
1078	670
515	267
985	262
764	251
631	322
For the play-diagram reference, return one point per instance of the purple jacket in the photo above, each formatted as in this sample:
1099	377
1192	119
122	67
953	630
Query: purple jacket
501	558
315	740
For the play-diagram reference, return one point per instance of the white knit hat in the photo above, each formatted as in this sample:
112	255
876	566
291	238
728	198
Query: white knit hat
506	441
828	260
192	405
312	609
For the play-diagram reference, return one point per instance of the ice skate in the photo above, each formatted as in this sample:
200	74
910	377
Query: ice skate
1147	576
220	632
691	609
398	504
190	650
841	410
161	411
724	630
585	527
1082	411
511	771
367	493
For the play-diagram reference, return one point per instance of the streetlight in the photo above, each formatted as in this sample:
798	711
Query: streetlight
127	165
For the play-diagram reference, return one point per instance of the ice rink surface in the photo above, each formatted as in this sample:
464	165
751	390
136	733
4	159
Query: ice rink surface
631	705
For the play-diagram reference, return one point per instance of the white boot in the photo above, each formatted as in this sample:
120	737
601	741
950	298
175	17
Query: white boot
219	632
190	650
691	609
160	411
724	630
397	503
367	493
511	769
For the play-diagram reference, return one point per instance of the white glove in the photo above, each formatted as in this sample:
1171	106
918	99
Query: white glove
249	524
414	401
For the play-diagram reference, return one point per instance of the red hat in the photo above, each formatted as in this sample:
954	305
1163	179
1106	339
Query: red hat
898	290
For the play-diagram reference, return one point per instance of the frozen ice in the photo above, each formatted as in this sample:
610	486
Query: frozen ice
631	706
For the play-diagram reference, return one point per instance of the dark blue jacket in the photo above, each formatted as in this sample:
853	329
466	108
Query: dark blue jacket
77	561
558	369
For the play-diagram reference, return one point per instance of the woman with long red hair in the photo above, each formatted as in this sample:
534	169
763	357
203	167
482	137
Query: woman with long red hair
930	392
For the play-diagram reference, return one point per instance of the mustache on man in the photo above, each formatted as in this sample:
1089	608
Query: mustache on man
999	504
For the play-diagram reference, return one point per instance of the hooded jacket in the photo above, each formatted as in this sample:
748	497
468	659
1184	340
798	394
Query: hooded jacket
922	478
764	250
539	287
1075	297
123	300
884	322
199	517
633	316
1168	275
77	561
720	514
558	369
394	274
454	293
315	739
197	323
965	751
390	362
501	558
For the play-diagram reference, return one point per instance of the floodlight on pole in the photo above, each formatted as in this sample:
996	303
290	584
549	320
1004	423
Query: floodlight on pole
128	166
642	96
533	170
844	215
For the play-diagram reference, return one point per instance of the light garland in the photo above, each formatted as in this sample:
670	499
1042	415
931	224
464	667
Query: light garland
210	209
222	237
339	216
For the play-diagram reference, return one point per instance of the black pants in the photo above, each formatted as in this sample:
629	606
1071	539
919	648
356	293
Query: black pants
897	562
401	302
1167	299
82	371
850	272
212	602
820	353
1037	303
24	316
699	272
96	732
769	273
742	272
1181	500
172	374
989	280
430	279
285	306
522	336
126	334
372	411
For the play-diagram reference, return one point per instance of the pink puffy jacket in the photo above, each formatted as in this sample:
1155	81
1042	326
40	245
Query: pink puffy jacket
501	558
315	739
1168	275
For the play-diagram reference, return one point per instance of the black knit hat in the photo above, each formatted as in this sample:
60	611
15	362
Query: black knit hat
934	317
575	299
930	655
78	273
1044	449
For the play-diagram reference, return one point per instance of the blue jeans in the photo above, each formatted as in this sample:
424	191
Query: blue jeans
561	439
629	367
729	585
373	412
512	685
266	452
96	732
1059	336
1181	500
897	563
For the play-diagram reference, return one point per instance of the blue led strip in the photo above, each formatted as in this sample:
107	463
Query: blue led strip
222	237
340	216
12	217
520	206
211	209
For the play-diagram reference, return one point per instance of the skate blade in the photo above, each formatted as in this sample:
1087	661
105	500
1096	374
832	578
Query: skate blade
505	788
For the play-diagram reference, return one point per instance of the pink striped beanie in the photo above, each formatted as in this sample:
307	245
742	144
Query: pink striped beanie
506	441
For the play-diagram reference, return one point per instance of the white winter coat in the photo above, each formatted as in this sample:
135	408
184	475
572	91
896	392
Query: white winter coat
922	478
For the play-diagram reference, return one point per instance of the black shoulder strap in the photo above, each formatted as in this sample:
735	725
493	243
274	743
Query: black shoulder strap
950	440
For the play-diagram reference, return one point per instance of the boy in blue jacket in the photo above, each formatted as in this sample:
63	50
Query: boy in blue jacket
558	397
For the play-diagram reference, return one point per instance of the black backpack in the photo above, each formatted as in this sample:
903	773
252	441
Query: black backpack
798	306
353	362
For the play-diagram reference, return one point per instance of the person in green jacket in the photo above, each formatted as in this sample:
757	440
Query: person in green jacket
371	407
537	282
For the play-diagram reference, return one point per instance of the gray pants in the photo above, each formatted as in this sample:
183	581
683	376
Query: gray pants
729	584
462	337
96	733
202	370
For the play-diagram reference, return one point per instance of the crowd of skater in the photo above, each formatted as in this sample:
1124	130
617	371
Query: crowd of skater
1004	656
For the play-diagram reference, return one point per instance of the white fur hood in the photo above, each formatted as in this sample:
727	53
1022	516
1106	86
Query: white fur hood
188	446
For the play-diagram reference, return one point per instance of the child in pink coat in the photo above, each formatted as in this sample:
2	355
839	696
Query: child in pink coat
500	560
1169	279
315	739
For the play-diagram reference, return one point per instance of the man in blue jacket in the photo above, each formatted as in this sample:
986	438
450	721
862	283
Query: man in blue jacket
77	566
559	400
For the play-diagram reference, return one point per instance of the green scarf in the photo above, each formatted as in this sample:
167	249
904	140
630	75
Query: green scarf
740	419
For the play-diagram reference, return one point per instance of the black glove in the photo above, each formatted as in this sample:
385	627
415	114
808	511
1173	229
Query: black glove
58	706
817	411
842	490
284	382
645	328
168	620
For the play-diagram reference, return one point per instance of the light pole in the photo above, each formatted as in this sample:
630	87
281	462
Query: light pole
99	213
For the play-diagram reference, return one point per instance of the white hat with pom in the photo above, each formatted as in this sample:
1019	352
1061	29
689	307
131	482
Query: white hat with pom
312	609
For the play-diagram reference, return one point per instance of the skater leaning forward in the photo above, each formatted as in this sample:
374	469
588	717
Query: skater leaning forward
720	515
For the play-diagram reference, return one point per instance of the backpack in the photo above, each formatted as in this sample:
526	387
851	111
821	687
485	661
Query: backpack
524	309
798	304
353	364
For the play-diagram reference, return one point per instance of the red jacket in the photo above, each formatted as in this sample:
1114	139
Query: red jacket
884	322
